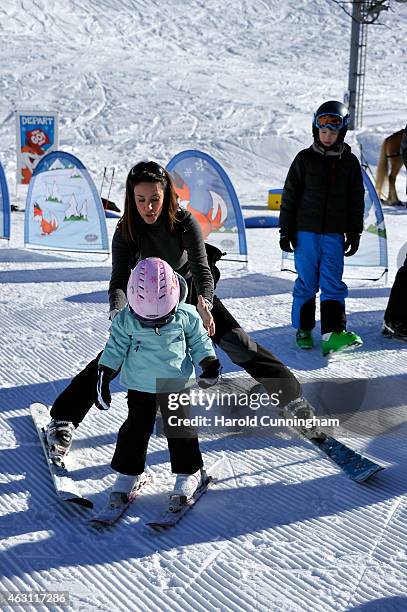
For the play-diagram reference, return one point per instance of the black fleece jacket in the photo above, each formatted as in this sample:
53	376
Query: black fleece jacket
323	192
183	249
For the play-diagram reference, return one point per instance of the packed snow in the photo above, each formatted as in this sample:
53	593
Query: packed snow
282	529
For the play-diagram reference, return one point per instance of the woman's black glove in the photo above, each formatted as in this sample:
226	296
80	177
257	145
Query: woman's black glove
211	370
351	244
288	243
103	397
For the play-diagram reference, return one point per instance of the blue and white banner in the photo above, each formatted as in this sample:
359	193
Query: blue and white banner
37	135
370	262
4	205
373	243
207	192
64	210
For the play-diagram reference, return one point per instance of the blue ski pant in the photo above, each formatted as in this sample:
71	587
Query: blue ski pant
319	262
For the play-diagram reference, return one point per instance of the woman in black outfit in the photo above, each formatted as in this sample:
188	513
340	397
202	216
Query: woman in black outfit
395	315
153	225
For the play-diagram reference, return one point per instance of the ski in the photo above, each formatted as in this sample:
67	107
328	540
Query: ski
65	487
112	512
396	332
353	464
170	518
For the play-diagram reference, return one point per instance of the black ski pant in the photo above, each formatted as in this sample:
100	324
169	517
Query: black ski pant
132	441
77	399
396	311
333	317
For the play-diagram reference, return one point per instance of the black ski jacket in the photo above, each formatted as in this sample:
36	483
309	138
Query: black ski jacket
323	193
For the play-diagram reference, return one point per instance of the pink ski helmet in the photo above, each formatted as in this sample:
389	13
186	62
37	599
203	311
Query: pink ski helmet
153	291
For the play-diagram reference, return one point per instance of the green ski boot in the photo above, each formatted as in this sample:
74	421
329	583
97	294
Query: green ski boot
334	342
304	339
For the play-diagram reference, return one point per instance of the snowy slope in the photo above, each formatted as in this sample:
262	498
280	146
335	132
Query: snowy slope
282	530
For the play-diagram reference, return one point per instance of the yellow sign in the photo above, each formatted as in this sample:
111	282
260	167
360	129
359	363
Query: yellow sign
274	199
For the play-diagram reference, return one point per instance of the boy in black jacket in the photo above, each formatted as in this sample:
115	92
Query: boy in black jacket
321	220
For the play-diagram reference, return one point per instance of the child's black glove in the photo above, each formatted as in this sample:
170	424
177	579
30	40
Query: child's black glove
103	397
211	370
288	243
351	244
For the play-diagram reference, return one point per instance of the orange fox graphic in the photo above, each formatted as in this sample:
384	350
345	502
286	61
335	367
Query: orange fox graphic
212	220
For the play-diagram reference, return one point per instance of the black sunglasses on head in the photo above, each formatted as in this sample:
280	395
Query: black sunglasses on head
150	168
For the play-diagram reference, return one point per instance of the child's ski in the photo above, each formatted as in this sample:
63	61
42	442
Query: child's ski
117	507
170	518
65	487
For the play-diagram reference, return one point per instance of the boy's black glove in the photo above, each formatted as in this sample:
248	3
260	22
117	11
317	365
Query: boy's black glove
103	397
351	244
288	243
211	370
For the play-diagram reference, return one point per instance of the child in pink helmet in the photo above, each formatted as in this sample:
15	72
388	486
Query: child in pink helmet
155	342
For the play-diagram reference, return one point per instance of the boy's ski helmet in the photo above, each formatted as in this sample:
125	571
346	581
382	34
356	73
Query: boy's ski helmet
153	291
340	118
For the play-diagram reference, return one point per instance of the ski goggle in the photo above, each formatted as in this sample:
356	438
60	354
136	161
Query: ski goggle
149	169
332	121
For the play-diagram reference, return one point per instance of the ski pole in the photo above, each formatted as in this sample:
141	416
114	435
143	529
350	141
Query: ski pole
110	186
103	180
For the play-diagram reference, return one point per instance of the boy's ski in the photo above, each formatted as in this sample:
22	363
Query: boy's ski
354	465
65	487
113	511
170	518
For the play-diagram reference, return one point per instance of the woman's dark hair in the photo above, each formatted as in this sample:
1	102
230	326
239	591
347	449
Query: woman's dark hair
147	172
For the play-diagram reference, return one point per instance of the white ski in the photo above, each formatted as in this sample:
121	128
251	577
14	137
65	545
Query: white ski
65	487
175	512
112	512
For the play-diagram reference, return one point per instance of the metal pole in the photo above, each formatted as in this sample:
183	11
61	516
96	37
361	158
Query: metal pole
354	61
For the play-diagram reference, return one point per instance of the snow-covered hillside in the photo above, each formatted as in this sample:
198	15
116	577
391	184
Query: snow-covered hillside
283	529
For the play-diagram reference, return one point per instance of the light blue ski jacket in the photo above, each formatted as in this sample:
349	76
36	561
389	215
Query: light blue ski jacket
154	362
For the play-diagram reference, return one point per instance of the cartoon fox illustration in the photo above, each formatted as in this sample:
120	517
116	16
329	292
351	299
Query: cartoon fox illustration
47	227
37	211
212	220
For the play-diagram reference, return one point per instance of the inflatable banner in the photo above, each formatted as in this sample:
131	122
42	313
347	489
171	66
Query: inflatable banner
4	206
370	262
37	134
64	211
206	191
262	221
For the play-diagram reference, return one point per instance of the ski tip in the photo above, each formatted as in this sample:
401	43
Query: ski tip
80	501
98	525
159	527
364	476
39	407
